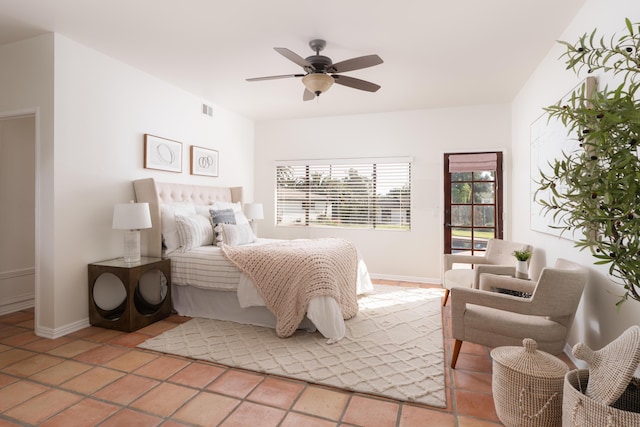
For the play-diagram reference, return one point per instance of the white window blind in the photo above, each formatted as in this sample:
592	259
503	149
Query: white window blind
374	194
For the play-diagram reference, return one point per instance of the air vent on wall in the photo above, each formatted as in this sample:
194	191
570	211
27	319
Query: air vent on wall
207	110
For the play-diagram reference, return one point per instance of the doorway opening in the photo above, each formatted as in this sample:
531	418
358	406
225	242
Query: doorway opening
18	215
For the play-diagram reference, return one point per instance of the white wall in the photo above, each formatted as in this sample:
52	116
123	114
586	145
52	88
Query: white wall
598	321
102	110
424	135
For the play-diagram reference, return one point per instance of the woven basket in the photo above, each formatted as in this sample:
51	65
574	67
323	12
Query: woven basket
527	386
611	368
579	410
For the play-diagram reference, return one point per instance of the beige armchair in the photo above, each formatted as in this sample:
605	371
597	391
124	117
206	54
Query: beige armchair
498	259
495	319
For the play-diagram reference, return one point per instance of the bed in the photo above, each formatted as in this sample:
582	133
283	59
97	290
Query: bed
205	283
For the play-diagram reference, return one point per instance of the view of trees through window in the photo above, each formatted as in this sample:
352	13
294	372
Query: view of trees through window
362	195
473	209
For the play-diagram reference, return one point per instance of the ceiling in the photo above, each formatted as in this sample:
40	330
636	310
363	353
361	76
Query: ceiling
436	53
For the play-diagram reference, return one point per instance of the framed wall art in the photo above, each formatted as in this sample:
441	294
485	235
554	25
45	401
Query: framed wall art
550	140
204	161
162	154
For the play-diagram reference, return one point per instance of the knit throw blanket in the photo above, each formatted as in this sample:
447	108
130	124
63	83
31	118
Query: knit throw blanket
288	274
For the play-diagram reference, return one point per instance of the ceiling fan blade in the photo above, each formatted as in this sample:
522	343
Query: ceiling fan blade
292	56
356	63
282	76
356	83
308	95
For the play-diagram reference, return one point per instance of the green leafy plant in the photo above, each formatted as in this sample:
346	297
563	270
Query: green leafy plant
595	190
522	255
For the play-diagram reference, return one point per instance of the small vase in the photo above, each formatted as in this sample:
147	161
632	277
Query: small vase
522	270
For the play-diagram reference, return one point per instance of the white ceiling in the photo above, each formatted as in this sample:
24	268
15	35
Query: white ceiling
436	53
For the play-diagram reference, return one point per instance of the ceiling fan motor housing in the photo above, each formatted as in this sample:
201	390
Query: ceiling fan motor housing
319	64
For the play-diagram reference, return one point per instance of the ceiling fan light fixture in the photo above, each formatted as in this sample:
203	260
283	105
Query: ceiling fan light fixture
317	82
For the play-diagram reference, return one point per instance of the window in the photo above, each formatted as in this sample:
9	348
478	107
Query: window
473	201
354	193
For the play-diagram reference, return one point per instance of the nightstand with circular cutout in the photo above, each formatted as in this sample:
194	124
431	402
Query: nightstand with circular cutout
129	296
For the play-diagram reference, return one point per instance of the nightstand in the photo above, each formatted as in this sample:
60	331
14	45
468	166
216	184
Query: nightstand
139	293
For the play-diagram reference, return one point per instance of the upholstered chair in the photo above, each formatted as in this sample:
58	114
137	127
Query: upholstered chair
497	259
487	317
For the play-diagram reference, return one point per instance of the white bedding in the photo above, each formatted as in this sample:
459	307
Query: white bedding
196	289
206	268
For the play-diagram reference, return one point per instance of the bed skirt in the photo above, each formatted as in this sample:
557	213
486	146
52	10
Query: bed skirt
224	305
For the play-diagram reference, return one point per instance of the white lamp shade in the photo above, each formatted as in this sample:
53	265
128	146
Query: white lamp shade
131	216
254	211
317	82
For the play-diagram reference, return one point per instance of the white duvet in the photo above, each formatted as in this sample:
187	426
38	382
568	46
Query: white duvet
206	267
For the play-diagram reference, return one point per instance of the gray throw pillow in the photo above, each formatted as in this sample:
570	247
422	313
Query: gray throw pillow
222	216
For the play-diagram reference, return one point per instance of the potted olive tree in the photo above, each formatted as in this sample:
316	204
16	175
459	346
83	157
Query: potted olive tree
595	190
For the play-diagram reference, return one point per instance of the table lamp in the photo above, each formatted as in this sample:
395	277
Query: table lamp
254	211
131	217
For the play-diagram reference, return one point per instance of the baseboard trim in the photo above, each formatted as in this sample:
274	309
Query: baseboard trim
16	303
10	274
417	279
62	331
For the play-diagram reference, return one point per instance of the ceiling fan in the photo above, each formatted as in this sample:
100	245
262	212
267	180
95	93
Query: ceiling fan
320	71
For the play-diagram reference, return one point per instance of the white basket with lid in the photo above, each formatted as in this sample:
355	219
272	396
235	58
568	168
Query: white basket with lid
527	386
606	394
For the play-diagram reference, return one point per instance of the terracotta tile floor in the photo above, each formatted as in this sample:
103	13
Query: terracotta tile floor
96	377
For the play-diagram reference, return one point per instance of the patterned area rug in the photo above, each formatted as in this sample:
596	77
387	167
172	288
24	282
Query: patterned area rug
392	348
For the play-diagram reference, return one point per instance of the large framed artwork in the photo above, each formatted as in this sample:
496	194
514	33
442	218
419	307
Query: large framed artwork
162	154
204	161
550	138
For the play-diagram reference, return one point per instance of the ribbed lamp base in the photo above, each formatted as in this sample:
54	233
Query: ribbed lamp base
132	246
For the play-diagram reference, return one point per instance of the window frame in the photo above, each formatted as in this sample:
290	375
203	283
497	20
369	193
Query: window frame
380	172
498	203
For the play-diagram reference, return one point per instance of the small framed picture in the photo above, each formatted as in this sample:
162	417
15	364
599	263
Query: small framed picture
204	161
162	154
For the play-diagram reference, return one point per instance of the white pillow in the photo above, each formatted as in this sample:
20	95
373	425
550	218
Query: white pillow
241	218
234	234
236	206
168	212
203	209
194	231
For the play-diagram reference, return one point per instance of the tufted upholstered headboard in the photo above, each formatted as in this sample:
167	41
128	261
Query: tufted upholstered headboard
155	193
